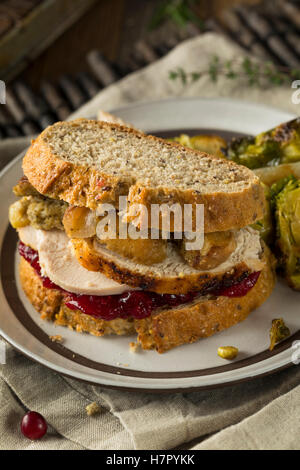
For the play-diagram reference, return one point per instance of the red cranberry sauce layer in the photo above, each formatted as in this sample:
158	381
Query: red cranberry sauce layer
134	304
32	257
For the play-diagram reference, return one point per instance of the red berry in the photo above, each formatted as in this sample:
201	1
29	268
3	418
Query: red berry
33	425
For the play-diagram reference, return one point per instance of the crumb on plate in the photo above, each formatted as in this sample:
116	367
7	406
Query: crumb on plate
93	409
56	338
133	347
228	352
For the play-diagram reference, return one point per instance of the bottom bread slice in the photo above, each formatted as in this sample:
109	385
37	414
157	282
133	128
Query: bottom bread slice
166	328
202	318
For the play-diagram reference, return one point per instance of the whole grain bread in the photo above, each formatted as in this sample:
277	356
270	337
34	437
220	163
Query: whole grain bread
166	328
173	275
87	163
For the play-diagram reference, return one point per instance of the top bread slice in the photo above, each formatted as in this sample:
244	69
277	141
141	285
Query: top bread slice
87	163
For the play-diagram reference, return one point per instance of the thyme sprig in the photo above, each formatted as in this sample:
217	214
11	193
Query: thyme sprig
180	12
255	73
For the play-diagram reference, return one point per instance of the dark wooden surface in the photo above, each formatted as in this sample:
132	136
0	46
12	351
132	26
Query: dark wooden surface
100	28
12	11
111	26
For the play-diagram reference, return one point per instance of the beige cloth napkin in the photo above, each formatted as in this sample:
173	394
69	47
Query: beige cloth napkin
261	414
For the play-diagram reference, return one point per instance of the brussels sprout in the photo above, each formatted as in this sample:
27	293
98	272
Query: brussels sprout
212	144
285	199
271	148
278	332
183	139
277	187
266	225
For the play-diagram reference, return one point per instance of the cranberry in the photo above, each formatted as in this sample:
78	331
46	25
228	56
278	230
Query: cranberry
33	425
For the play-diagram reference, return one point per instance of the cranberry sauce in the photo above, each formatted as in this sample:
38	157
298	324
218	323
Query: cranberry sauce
136	304
242	288
31	256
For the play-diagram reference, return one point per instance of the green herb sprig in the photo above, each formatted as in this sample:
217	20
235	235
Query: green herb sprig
180	12
255	73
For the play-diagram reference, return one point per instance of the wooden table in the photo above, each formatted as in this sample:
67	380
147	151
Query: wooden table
111	26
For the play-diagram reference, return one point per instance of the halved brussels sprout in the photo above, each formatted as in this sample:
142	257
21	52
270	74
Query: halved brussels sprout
278	332
285	199
274	147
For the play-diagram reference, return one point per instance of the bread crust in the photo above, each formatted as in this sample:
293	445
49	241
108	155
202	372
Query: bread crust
111	267
166	328
222	211
46	301
170	328
83	186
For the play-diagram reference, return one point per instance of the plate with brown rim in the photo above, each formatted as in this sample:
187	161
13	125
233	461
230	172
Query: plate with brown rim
108	361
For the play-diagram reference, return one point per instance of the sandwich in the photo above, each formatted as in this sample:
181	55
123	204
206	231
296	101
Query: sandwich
153	282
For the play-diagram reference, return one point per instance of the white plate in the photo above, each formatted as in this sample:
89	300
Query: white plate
108	361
